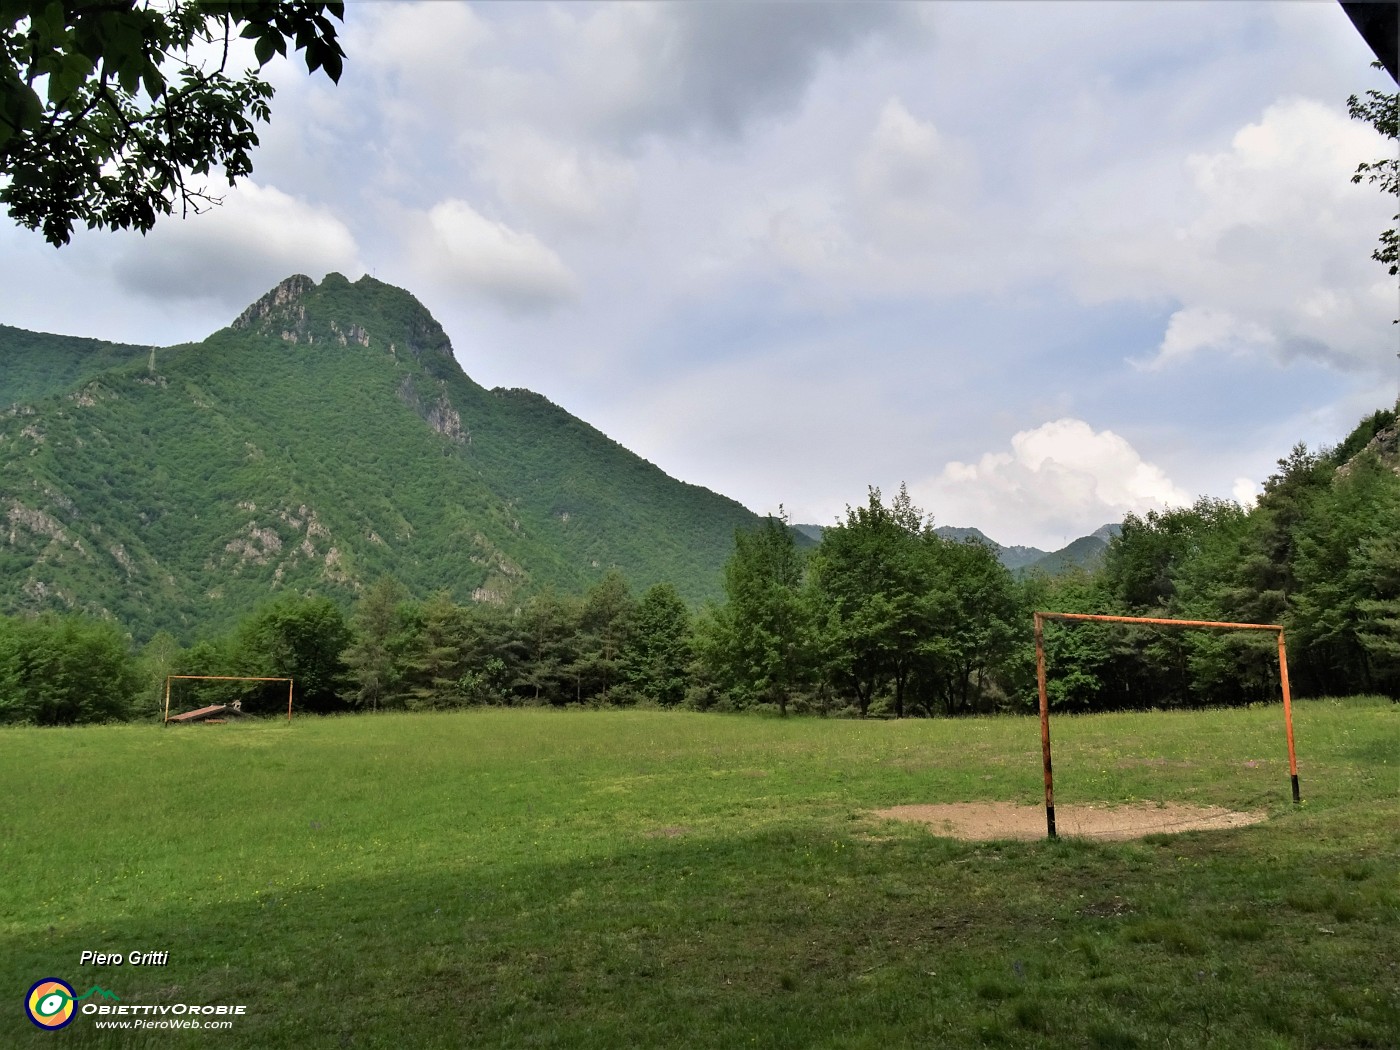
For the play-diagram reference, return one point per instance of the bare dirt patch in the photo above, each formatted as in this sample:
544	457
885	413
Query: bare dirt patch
983	821
667	833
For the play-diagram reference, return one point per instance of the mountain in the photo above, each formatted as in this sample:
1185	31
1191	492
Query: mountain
38	364
327	437
1084	552
1013	558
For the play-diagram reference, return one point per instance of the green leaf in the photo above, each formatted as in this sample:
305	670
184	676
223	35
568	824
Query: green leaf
51	20
154	83
333	64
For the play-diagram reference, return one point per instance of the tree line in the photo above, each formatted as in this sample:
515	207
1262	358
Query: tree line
882	618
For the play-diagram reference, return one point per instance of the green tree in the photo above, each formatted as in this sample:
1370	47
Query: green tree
1378	630
1346	599
655	661
1212	581
206	656
1265	577
605	624
549	628
106	111
759	644
873	578
969	613
159	658
1179	563
433	660
491	654
1082	660
377	627
302	639
1143	563
63	671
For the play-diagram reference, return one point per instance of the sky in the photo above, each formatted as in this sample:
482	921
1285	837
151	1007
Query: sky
1045	263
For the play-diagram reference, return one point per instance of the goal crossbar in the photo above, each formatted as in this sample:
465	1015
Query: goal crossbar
1041	617
224	678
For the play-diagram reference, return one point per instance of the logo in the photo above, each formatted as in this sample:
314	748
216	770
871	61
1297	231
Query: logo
50	1003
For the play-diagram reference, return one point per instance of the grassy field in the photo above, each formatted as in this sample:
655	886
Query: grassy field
528	878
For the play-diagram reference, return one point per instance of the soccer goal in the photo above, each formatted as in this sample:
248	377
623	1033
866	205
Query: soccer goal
219	678
1041	617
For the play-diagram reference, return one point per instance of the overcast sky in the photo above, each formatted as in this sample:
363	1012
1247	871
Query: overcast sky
1048	263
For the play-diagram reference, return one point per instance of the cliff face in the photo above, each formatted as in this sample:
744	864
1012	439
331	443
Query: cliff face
1378	435
327	437
284	305
1386	445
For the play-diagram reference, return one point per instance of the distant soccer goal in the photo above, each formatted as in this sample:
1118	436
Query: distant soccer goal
1041	617
218	678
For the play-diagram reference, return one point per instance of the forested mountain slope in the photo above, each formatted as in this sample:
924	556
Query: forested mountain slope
35	364
326	438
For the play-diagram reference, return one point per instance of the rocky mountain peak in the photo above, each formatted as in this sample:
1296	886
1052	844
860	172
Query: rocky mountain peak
340	313
283	302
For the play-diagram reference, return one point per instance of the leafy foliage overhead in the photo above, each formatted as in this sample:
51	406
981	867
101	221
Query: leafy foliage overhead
107	112
1382	112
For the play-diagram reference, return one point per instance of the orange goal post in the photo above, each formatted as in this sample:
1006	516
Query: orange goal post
1041	617
223	678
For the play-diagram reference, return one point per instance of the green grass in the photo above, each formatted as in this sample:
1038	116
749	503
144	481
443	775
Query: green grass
526	878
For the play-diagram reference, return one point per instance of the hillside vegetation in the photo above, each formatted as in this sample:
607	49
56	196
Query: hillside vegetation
885	616
37	365
320	492
327	438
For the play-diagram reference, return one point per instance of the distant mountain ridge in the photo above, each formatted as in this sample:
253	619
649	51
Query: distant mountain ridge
327	437
37	364
1085	552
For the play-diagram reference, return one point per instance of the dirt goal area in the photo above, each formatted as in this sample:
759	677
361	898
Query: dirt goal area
983	821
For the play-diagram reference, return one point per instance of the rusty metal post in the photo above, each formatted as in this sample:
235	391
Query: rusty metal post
289	699
1102	618
1044	728
1288	714
1159	620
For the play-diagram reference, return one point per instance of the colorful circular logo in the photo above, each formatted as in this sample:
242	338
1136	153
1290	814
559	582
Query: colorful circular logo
50	1003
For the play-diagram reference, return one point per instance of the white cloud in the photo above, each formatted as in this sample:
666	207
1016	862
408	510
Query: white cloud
1060	480
468	252
1244	492
563	186
896	212
419	40
1268	250
803	233
913	184
238	250
1203	328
